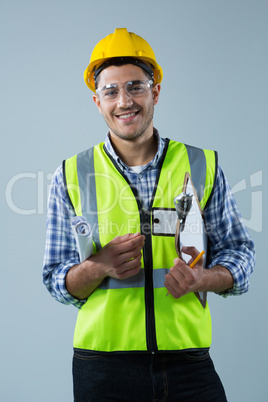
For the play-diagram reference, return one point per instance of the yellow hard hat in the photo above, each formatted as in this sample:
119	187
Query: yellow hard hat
121	43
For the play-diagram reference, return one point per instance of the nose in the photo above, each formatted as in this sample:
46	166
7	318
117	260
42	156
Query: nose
124	100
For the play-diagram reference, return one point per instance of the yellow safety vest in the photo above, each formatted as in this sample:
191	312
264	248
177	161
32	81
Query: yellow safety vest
134	314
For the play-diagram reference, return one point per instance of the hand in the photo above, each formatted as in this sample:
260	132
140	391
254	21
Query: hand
121	257
182	279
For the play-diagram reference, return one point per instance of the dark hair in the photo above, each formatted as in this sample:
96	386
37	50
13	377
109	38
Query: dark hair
121	61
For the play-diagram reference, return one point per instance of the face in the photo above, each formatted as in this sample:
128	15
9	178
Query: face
128	118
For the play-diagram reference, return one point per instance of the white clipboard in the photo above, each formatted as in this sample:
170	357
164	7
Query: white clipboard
194	232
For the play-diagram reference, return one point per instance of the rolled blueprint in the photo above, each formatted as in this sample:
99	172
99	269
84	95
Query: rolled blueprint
83	236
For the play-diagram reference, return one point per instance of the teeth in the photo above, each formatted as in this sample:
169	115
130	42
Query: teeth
126	116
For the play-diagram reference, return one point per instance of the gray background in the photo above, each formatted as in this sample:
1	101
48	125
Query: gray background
214	95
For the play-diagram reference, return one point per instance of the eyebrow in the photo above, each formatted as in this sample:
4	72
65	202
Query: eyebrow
112	85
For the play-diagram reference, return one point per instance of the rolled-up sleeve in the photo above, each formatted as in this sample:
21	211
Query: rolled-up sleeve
61	250
229	240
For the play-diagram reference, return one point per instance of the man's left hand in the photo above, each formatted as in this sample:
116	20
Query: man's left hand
182	279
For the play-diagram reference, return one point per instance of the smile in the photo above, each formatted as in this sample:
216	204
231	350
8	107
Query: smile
127	116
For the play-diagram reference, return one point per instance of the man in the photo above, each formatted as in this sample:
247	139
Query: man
131	341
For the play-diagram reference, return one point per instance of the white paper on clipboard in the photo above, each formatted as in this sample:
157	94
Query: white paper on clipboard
194	232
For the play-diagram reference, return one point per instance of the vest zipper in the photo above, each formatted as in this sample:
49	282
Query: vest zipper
145	217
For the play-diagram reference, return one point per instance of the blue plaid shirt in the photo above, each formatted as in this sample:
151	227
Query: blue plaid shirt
231	245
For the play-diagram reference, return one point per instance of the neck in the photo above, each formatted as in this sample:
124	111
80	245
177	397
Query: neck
136	152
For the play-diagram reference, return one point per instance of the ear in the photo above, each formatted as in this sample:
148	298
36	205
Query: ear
96	99
156	93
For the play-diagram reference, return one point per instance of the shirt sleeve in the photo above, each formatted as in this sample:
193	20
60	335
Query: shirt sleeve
229	241
61	250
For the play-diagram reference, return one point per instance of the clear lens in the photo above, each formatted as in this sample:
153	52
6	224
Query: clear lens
133	88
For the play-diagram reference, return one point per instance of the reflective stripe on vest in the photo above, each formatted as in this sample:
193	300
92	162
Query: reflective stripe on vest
99	191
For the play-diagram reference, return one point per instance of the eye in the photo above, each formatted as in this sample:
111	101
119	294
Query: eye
110	93
135	87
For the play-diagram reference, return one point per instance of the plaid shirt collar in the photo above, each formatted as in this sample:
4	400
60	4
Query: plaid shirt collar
153	163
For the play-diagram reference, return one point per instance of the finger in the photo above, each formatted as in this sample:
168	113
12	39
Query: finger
172	290
178	272
130	272
129	255
130	245
192	251
178	261
197	261
181	286
130	264
124	238
180	269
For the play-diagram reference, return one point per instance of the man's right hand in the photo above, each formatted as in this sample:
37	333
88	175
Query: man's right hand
120	258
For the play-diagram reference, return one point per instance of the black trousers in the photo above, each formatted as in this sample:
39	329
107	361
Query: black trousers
172	377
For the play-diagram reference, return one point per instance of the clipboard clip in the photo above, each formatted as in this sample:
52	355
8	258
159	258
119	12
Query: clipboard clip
183	203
